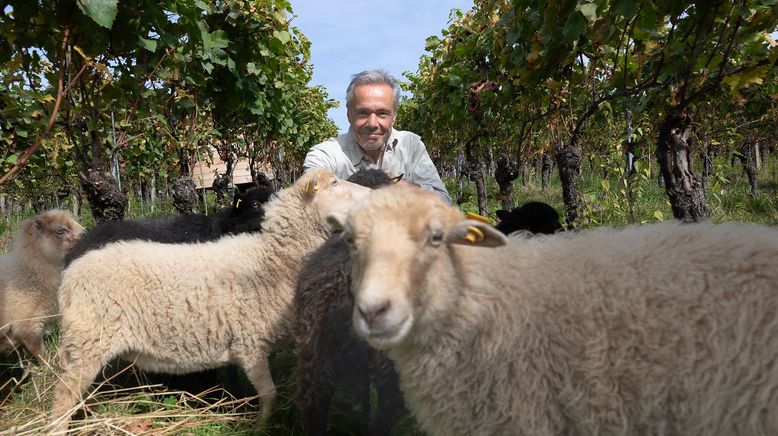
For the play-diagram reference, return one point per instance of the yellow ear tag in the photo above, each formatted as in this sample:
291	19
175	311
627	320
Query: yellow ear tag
237	203
315	187
475	216
308	187
474	234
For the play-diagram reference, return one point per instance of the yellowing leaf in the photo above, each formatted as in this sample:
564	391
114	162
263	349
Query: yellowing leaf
745	79
533	57
83	55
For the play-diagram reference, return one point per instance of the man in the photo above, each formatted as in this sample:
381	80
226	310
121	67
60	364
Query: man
371	141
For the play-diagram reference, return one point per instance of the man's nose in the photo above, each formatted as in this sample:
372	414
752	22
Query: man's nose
372	120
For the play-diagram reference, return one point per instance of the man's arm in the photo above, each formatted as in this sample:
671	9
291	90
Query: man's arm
425	175
317	157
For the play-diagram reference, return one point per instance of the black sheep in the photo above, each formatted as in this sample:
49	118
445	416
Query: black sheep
329	354
245	215
533	216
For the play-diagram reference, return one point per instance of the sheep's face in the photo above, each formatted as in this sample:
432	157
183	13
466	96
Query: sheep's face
328	193
399	239
53	233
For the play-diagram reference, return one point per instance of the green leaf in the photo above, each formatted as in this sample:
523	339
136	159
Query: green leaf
148	44
431	42
204	6
12	159
102	12
574	27
659	216
282	36
626	8
252	69
589	11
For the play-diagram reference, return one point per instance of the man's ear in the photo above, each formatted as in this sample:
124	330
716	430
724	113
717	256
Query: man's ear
476	234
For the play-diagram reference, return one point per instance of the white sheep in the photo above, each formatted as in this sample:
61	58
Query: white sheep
651	330
182	308
29	278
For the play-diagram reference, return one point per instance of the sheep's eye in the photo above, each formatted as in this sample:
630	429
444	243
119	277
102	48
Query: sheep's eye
255	204
62	231
348	238
334	182
436	237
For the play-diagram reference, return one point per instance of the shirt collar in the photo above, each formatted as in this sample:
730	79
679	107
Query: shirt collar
354	151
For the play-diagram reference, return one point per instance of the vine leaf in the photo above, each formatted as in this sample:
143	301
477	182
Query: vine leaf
102	12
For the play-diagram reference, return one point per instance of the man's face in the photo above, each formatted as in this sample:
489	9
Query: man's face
371	115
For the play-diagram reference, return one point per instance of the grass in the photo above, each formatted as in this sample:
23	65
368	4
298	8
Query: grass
727	194
25	403
25	400
151	410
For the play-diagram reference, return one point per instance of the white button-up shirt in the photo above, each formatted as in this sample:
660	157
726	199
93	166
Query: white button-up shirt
405	154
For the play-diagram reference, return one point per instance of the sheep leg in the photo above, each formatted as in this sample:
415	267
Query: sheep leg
259	375
28	333
76	377
5	343
33	342
319	396
390	407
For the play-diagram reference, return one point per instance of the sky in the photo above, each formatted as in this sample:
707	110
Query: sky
349	36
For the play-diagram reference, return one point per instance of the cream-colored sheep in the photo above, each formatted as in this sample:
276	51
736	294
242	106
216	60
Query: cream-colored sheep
182	308
660	329
29	278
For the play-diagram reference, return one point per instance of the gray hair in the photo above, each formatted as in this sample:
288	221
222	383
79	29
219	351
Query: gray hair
373	77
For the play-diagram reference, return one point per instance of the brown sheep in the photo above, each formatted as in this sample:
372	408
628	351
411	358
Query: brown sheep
30	277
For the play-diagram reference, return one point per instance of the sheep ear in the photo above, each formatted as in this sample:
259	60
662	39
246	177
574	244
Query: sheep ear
32	226
502	214
312	186
475	233
337	221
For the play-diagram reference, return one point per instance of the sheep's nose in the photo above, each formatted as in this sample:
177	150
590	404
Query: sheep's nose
373	313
